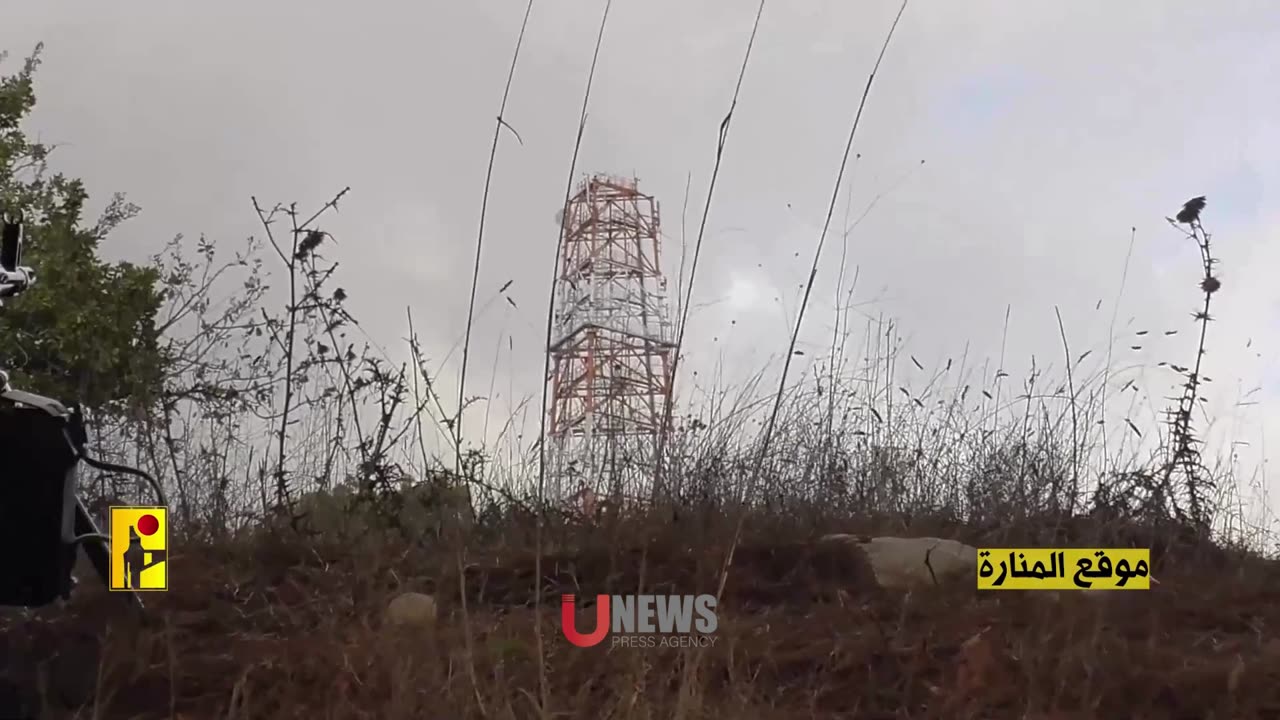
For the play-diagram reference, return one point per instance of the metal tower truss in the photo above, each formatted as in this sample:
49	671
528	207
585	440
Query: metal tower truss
612	346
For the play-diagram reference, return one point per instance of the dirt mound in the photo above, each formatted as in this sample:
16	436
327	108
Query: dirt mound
792	575
275	629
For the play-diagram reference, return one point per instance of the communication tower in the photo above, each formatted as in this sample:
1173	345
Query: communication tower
612	346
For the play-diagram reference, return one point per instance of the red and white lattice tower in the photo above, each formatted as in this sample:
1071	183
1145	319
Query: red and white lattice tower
612	346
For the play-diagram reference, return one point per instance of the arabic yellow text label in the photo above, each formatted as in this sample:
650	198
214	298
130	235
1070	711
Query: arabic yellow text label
1064	569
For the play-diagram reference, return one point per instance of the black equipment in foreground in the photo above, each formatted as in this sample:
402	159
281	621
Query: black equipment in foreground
42	521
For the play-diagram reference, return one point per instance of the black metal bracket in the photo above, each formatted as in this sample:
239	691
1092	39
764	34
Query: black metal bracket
43	522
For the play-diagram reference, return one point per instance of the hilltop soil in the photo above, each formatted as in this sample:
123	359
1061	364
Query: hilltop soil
273	628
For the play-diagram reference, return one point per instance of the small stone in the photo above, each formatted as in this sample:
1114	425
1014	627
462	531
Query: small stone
412	609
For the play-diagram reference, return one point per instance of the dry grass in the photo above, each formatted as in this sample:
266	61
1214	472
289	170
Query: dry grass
275	628
271	623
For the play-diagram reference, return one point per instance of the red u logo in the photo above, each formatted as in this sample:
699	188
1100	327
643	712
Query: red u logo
567	613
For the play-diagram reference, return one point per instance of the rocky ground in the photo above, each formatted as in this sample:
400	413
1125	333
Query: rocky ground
280	628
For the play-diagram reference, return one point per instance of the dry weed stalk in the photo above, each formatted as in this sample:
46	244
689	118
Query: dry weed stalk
544	695
1184	451
885	455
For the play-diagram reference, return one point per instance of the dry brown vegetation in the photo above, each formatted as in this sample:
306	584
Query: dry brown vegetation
273	404
293	535
270	626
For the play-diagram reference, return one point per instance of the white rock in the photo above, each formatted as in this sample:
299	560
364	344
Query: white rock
900	563
412	609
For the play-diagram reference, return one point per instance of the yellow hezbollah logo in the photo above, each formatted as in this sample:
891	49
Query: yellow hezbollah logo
1065	569
139	548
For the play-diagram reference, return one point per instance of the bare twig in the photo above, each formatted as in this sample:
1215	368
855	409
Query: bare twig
475	269
770	424
697	252
543	684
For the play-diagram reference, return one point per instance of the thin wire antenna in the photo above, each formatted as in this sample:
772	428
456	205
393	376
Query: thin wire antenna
544	688
697	252
475	270
1111	342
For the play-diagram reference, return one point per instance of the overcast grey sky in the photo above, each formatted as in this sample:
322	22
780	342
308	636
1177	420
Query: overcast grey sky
1049	129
